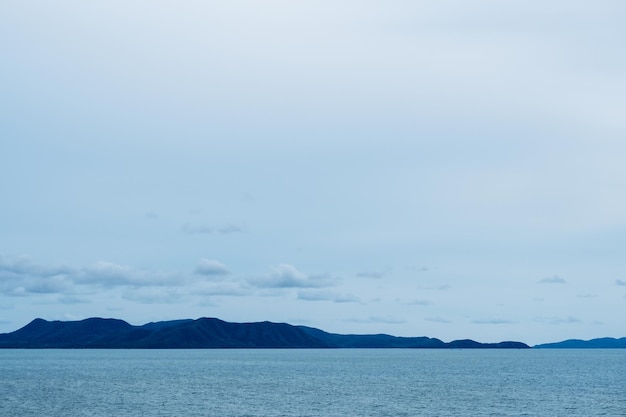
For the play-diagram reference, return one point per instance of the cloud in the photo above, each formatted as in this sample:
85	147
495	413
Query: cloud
493	321
315	295
204	229
438	320
346	298
195	229
553	280
326	295
416	302
566	320
153	295
109	274
287	276
587	295
47	285
68	299
230	229
210	267
558	320
21	276
23	265
442	287
225	289
25	285
620	282
375	275
378	319
422	268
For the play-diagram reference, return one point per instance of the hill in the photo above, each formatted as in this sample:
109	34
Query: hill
601	343
206	333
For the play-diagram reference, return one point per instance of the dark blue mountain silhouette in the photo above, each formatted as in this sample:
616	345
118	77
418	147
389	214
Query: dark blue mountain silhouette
207	333
601	343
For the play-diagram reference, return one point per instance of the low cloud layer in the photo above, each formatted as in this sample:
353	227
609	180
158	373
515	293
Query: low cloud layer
493	321
438	320
109	274
378	319
288	276
21	276
211	267
559	320
326	295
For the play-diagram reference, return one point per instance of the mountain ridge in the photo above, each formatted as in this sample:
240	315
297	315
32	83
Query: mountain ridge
211	333
598	343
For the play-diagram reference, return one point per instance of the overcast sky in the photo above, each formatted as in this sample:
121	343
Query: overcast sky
448	168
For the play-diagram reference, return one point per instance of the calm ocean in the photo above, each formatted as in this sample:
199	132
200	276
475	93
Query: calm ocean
346	382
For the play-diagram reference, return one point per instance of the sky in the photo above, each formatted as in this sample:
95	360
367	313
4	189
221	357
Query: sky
449	168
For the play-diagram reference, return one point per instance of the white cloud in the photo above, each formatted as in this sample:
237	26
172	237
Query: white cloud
21	276
110	274
287	276
24	265
553	280
370	275
211	267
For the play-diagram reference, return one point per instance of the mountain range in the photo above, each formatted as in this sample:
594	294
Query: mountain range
601	343
206	333
212	333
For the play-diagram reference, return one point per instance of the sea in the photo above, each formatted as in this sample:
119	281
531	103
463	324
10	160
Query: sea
312	382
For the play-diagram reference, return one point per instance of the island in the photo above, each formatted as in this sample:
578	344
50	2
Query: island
211	333
600	343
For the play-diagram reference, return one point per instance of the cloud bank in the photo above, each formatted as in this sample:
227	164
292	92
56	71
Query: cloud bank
287	276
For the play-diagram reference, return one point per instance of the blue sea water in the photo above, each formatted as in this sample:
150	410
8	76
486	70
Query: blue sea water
341	382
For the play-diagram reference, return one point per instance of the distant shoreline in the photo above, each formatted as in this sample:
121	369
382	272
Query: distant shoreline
213	333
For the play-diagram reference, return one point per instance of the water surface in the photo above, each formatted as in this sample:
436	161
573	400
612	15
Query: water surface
326	382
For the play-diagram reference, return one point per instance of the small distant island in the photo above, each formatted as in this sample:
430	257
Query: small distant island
601	343
211	333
